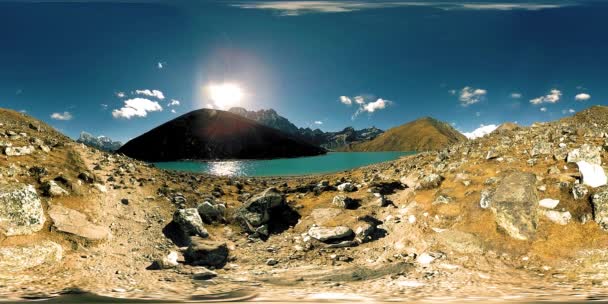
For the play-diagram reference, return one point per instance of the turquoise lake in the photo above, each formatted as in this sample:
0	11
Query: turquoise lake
328	163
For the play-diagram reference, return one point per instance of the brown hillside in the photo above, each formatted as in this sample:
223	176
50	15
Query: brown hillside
419	135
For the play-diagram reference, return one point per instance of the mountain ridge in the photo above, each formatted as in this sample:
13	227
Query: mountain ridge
327	140
423	134
207	134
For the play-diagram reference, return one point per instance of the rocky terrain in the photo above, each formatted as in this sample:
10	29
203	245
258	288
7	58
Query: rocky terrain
327	140
103	143
214	134
423	134
520	214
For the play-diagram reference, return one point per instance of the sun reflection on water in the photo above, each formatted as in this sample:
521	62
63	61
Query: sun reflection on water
226	168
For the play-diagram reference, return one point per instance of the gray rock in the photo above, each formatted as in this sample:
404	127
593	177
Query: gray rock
19	258
442	199
190	222
586	153
19	151
256	212
599	201
21	212
364	231
203	252
515	205
211	213
347	187
73	222
325	234
558	217
203	274
52	189
344	201
579	191
542	148
486	197
429	182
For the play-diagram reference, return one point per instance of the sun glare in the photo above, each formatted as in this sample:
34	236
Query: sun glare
225	95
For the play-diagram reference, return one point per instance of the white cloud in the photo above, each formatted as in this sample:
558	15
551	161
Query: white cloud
469	96
359	99
515	95
62	116
452	92
478	114
553	97
104	106
160	65
121	94
318	122
296	8
371	107
152	93
568	111
346	100
482	131
543	109
173	103
582	97
173	111
136	107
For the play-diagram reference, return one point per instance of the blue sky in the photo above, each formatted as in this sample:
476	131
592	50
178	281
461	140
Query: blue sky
117	68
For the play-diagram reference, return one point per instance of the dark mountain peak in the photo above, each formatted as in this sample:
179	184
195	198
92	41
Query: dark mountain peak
215	134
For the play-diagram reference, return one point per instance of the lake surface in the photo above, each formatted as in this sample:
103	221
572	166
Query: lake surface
330	162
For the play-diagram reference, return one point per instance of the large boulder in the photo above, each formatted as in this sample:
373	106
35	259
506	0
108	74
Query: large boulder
19	258
430	181
19	151
190	222
586	153
73	222
515	205
344	202
211	212
204	252
593	174
52	189
21	212
599	202
328	234
262	210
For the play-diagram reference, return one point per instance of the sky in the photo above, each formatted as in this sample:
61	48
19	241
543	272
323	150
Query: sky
120	68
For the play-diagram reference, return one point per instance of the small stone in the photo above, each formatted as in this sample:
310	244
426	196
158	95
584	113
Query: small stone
425	259
190	222
561	218
548	203
124	201
579	191
271	262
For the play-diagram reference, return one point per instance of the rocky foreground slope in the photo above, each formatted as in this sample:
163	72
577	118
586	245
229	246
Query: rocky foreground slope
519	214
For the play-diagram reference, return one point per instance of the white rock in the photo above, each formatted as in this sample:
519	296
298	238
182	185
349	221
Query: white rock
548	203
561	218
425	259
411	219
346	187
593	174
101	188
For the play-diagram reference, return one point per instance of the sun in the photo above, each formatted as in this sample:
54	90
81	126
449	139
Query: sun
225	95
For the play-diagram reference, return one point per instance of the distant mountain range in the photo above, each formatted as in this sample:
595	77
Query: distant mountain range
327	140
213	134
100	142
419	135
